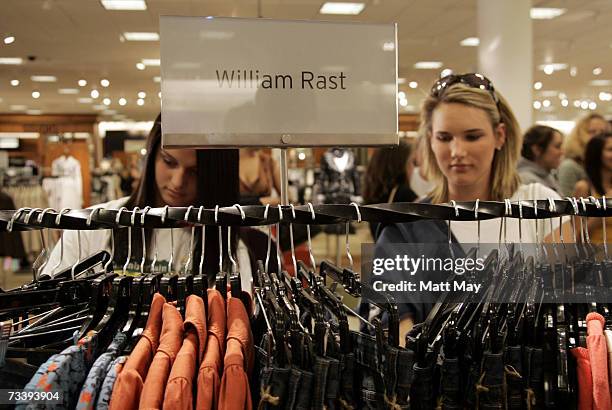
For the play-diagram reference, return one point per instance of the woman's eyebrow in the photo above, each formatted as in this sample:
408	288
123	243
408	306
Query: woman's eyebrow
473	130
164	152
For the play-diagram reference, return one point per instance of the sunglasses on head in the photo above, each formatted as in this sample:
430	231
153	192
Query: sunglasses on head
472	80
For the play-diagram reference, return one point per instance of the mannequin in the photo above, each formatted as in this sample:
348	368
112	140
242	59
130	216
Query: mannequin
338	181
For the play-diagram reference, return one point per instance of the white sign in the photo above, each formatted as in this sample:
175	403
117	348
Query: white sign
258	82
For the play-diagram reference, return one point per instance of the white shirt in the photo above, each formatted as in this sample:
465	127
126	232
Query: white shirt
162	240
467	231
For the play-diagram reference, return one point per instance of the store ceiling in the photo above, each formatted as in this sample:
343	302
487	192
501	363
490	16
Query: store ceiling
79	39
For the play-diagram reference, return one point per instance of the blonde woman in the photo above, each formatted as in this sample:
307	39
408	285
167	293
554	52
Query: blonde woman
472	143
572	168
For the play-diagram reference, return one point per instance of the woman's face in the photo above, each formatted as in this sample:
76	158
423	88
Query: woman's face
597	126
606	155
176	175
551	158
464	143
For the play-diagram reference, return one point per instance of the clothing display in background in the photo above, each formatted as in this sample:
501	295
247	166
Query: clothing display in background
69	184
11	243
338	180
105	187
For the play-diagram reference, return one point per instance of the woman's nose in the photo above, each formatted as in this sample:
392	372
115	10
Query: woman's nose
457	148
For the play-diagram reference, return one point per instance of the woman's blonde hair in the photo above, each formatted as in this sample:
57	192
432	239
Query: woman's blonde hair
575	144
504	178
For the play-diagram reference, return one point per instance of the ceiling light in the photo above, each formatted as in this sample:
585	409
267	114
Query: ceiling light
600	83
552	67
573	71
342	8
104	82
9	40
546	103
124	4
445	72
82	83
106	101
401	80
604	96
140	102
428	65
18	107
470	42
403	102
141	36
597	71
388	46
564	102
44	78
159	94
36	94
14	83
68	91
122	101
401	95
548	69
545	13
577	103
151	62
592	105
537	105
537	85
562	96
157	79
584	105
140	66
413	84
142	94
94	93
33	112
11	60
85	100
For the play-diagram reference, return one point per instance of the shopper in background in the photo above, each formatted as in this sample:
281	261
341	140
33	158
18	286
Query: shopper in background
471	143
598	163
572	168
177	178
387	177
541	154
418	180
259	174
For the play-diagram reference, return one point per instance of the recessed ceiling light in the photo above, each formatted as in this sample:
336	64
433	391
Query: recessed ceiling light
413	84
104	82
18	107
428	65
124	4
140	101
106	101
604	96
548	69
68	91
564	102
9	40
157	79
552	67
82	83
342	8
537	105
577	103
584	105
140	66
401	95
537	85
122	101
388	46
94	93
151	62
11	60
141	36
445	72
403	102
14	83
85	100
573	71
36	94
545	13
600	83
592	105
470	42
597	71
546	103
44	78
142	94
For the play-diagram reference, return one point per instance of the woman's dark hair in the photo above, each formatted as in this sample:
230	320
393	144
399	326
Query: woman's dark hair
593	163
537	136
217	185
386	169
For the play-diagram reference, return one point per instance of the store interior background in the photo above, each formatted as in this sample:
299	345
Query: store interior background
74	82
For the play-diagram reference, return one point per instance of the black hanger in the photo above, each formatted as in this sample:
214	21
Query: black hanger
169	287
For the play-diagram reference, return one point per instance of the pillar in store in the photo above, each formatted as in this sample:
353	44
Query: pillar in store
505	52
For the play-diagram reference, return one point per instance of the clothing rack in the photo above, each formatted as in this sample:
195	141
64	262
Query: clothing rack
257	215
